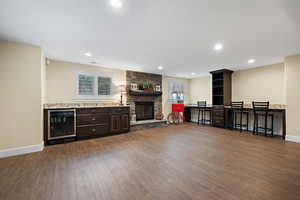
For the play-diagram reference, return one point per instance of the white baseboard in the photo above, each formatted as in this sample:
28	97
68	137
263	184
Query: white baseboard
21	150
292	138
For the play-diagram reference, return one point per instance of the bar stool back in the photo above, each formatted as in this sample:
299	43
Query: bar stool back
201	111
262	109
237	107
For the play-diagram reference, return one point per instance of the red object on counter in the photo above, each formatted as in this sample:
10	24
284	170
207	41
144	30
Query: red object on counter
179	108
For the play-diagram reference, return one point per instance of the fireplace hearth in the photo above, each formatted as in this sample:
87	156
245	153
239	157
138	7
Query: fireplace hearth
144	110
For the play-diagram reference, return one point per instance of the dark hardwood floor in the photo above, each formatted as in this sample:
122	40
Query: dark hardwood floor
177	162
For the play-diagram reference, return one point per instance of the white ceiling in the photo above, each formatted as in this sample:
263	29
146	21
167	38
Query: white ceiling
143	34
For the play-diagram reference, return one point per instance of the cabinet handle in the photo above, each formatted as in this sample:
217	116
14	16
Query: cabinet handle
94	130
93	119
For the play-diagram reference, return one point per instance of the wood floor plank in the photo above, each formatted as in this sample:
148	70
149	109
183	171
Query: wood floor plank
176	162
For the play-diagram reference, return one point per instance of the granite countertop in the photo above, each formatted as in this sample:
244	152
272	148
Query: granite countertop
82	105
272	106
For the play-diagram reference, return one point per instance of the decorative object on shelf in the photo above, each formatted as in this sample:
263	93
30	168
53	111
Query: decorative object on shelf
148	86
122	90
157	88
140	86
134	86
159	116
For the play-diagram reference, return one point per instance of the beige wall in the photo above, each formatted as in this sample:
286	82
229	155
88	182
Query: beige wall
61	80
61	83
43	78
166	104
264	83
21	95
259	84
201	89
292	67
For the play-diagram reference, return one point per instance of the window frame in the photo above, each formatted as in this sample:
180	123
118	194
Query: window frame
95	95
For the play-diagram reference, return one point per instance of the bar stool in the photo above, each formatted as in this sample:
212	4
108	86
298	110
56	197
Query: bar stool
261	109
202	110
237	107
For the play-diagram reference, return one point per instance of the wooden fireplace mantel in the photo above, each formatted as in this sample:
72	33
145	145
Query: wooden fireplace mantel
144	93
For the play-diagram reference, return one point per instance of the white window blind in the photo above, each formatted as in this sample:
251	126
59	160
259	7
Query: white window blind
86	85
93	85
104	85
177	91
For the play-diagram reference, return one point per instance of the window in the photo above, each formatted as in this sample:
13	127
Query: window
93	85
177	97
86	85
177	91
104	85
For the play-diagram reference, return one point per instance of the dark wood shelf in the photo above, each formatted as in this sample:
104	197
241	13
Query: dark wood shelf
218	86
219	79
144	93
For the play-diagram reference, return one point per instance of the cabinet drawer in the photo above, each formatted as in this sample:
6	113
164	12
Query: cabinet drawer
218	118
218	108
92	110
120	110
218	114
218	122
90	119
92	131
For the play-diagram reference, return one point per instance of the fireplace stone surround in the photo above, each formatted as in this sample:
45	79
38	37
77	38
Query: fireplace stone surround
141	77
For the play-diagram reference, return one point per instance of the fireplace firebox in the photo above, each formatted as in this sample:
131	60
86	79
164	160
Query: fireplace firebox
144	110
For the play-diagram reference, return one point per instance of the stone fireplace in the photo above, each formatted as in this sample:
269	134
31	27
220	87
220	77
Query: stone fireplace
142	105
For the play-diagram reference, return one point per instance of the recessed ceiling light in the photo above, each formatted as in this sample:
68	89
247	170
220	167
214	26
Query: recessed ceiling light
116	3
88	54
160	67
218	47
251	61
193	73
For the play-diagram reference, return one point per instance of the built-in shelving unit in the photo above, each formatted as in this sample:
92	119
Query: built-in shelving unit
221	95
221	84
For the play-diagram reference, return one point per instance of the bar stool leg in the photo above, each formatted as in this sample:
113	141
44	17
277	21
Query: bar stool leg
235	121
198	116
257	124
232	121
241	122
247	122
272	126
254	124
266	125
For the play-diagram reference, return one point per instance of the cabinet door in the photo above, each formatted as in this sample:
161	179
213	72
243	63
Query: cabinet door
115	123
125	122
